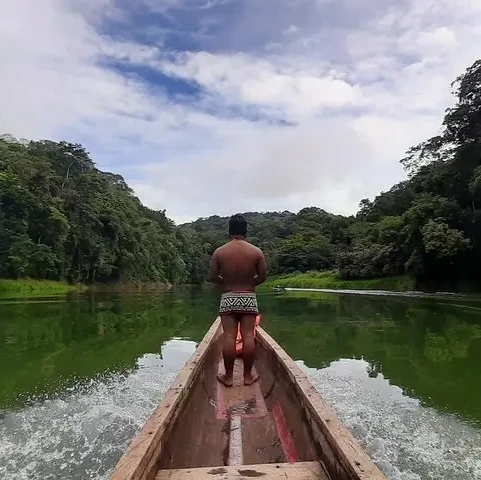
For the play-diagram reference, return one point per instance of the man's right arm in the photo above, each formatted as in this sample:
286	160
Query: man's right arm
214	271
261	268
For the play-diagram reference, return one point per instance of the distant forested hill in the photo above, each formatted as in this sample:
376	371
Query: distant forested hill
62	218
310	240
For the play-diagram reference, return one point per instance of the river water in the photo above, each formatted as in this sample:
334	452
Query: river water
79	376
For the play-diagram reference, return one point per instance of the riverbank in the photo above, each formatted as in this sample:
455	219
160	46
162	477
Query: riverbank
328	280
331	280
130	287
29	287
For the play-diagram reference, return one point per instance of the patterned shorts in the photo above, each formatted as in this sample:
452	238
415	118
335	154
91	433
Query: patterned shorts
238	302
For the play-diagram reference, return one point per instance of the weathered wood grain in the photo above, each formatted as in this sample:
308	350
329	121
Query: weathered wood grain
271	471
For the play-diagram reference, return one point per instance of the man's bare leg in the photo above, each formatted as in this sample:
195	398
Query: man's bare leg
229	325
248	323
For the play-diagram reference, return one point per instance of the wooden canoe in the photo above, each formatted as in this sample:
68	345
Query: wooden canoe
279	427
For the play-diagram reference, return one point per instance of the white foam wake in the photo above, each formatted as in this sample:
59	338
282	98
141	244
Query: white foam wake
83	434
407	440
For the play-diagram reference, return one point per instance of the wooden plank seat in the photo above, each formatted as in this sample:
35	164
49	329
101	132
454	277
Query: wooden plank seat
274	471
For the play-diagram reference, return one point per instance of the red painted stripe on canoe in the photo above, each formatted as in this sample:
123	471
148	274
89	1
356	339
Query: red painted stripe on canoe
285	437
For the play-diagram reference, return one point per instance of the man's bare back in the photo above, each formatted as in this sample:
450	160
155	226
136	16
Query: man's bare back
238	267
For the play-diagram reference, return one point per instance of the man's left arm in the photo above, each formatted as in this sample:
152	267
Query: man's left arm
261	270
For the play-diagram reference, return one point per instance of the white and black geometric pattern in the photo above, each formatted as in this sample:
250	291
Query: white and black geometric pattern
238	302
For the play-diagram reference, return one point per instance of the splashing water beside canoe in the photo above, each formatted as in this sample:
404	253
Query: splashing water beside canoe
83	433
407	440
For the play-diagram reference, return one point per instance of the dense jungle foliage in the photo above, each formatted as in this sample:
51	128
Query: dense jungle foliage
62	218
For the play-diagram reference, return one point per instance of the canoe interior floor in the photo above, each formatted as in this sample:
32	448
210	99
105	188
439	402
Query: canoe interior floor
256	436
274	471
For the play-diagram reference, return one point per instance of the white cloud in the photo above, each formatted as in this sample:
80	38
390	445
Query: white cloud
360	94
51	79
332	163
242	79
440	41
293	29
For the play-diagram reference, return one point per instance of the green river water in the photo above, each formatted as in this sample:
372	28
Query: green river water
79	376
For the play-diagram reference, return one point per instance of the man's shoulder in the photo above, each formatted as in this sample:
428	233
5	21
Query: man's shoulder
231	246
256	249
220	249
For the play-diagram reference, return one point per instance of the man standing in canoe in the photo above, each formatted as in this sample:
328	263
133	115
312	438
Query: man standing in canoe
238	267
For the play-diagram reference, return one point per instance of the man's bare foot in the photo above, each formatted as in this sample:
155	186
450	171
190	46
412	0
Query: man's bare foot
225	380
250	379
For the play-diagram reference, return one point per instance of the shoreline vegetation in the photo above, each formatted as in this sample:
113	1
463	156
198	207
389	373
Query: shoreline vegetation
329	280
31	287
26	287
332	280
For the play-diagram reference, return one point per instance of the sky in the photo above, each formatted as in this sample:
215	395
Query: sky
223	106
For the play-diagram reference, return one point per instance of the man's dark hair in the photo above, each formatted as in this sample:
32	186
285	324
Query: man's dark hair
237	225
